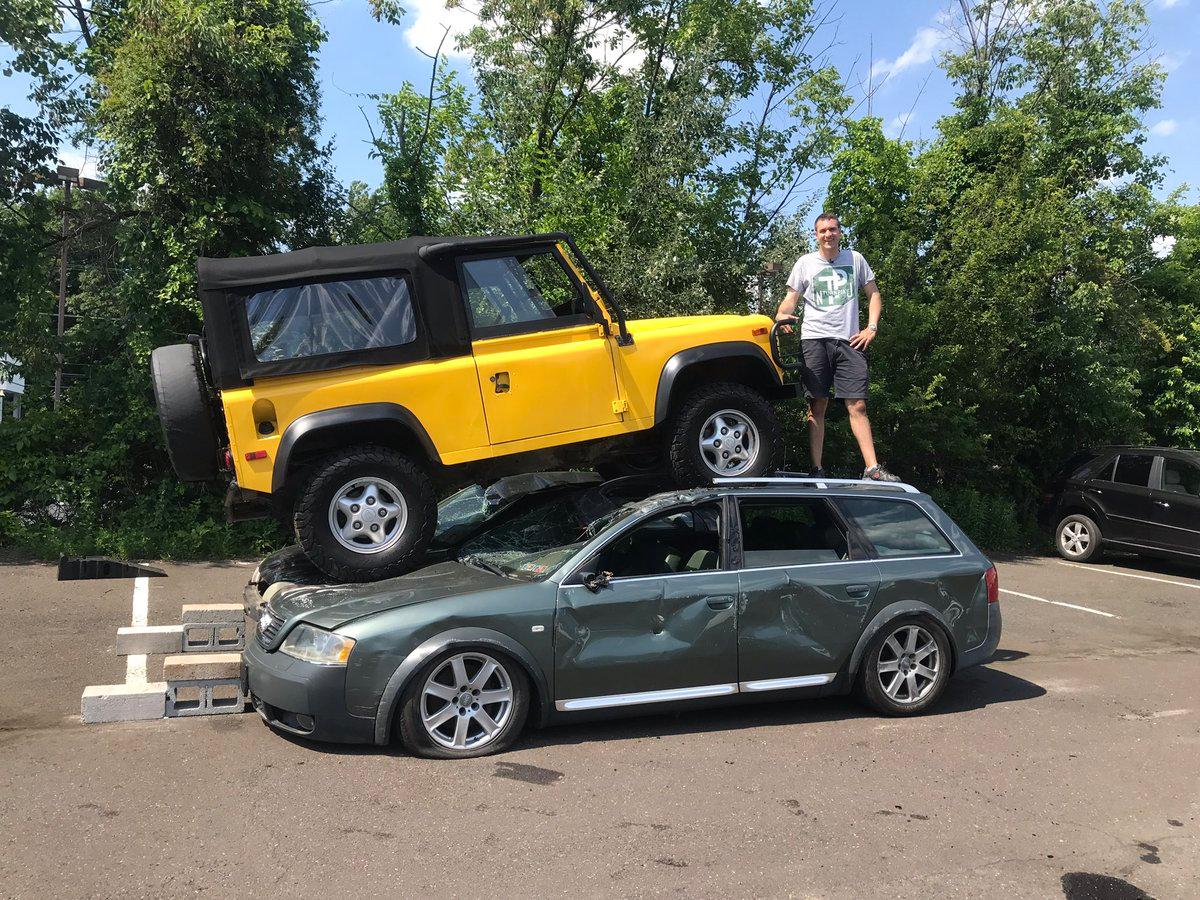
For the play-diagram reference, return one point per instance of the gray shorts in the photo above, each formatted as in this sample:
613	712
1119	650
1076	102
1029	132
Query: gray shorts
833	363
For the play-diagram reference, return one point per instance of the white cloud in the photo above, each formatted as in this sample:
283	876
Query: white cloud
85	162
1168	4
926	44
1162	245
1172	60
897	124
1165	128
431	18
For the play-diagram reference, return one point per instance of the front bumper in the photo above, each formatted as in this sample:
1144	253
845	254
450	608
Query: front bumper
981	654
303	699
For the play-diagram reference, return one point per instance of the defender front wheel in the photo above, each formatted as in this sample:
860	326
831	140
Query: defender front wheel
365	514
723	430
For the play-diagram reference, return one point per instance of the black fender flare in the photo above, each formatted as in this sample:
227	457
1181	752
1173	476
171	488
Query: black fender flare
722	350
346	415
456	637
889	614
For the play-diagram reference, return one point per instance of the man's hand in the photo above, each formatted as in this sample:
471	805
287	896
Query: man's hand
786	318
860	340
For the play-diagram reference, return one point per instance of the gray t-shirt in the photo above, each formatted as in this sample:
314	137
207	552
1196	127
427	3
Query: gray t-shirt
830	291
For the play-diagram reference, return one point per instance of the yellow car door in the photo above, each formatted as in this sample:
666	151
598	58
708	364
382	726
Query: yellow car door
541	348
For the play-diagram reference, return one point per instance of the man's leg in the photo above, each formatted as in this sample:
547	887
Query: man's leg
861	426
816	428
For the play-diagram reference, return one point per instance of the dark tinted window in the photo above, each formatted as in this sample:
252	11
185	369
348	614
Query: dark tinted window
896	527
686	540
1074	466
513	290
331	317
1133	468
1181	477
790	533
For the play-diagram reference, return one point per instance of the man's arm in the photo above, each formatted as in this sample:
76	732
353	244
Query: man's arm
787	310
875	310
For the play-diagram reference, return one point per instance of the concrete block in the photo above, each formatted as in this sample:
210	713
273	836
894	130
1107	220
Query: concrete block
223	613
123	702
201	637
205	697
202	666
150	639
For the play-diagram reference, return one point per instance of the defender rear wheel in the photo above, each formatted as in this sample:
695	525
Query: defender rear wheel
723	430
365	514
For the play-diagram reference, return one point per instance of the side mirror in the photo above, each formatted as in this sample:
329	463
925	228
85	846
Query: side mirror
597	580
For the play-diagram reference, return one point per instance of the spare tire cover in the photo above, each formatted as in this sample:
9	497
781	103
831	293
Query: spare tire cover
185	412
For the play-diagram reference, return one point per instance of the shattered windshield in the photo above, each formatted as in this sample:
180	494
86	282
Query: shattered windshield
460	511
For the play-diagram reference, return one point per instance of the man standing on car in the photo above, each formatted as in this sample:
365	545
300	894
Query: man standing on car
834	347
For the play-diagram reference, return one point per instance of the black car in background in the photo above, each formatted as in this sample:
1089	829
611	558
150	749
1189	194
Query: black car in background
1136	499
536	510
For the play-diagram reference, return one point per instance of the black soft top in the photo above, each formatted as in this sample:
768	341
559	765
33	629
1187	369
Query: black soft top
441	319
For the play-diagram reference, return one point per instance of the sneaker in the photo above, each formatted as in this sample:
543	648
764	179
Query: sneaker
817	472
878	473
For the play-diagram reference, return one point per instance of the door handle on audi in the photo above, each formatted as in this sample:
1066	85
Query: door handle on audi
858	591
719	602
1163	503
500	380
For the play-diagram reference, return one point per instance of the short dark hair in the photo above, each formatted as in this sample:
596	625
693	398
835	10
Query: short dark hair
826	215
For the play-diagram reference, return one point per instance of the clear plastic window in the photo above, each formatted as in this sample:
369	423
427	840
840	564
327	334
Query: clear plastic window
514	290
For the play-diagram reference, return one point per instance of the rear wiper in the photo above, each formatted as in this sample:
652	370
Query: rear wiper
478	563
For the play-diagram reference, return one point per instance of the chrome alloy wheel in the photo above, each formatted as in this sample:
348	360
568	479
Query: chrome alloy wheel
368	515
909	663
466	701
1075	538
728	443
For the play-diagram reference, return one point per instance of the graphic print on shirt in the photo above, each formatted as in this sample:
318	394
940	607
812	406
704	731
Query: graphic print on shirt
833	286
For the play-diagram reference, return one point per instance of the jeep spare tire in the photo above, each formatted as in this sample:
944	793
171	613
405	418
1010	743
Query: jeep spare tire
365	513
723	430
185	411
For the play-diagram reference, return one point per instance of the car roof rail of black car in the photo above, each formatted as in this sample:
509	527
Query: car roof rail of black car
821	483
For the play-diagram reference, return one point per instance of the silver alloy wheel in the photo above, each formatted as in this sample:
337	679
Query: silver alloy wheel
1075	538
909	663
466	701
728	442
368	515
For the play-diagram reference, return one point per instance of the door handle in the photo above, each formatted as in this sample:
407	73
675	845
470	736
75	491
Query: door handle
500	380
1163	503
858	591
719	602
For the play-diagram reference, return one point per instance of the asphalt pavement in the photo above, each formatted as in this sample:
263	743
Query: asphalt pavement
1066	767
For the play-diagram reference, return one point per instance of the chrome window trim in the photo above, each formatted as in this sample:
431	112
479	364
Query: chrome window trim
640	697
782	684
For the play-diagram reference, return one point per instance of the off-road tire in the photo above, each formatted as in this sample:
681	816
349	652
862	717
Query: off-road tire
185	411
1084	526
686	464
310	517
415	739
867	683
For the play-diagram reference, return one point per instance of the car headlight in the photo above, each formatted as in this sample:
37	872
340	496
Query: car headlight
313	645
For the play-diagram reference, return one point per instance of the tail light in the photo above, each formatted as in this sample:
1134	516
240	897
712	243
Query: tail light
992	579
228	461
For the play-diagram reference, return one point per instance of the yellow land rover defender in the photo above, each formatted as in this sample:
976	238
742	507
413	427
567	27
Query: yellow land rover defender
340	385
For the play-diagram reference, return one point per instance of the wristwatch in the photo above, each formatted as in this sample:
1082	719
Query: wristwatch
872	328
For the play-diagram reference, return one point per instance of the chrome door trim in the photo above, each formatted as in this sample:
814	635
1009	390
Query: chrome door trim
688	693
780	684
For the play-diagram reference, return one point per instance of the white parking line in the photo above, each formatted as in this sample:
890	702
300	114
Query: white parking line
1059	603
1111	571
135	666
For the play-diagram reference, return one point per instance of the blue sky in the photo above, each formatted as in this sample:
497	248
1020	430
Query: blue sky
362	57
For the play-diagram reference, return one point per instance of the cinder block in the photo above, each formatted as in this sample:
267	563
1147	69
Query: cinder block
202	666
221	613
123	702
201	637
205	697
151	639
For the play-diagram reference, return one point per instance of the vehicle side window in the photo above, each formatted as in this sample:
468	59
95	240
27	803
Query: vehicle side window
330	317
683	540
1133	468
514	290
790	532
896	527
1179	477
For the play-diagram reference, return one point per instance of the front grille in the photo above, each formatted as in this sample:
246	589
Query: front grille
268	628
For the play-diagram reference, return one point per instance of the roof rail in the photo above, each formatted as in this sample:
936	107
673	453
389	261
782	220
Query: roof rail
821	483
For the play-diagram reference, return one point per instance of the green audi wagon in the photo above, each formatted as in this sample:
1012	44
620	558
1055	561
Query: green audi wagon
753	589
